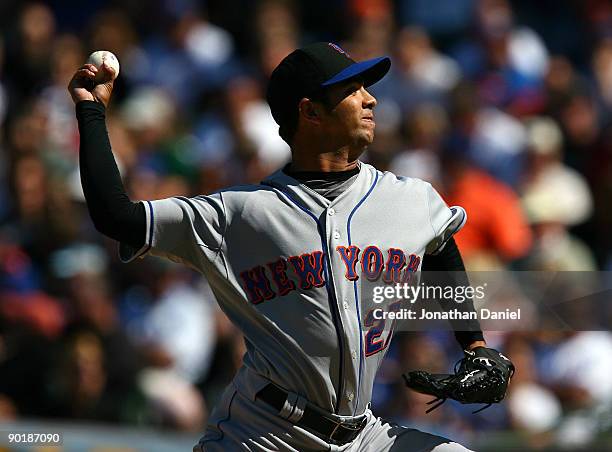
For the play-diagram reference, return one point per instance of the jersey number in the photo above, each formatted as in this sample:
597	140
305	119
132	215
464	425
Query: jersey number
374	342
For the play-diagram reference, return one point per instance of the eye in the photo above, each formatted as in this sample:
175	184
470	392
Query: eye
352	89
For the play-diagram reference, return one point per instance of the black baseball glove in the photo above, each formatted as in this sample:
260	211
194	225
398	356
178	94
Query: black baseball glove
482	376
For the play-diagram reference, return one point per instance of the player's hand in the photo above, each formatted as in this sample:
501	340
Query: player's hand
83	87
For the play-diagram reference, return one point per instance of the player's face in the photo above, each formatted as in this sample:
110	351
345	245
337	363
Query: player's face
350	118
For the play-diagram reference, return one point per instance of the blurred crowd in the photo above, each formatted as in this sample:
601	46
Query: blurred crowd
504	106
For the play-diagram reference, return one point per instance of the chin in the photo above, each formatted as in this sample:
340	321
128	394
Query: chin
362	139
367	139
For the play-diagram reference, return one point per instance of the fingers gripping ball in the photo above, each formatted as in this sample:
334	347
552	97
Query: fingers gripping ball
104	56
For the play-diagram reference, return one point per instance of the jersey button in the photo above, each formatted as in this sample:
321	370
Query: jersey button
354	354
336	235
350	396
345	305
331	212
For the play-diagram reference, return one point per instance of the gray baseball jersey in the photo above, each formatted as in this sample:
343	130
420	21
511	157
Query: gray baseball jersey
286	265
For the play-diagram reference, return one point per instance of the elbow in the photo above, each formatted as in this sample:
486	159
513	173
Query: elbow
104	226
123	223
100	227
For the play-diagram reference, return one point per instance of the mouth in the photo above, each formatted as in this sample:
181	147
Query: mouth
369	120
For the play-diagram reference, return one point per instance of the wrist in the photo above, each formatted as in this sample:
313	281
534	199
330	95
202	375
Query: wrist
89	107
89	102
475	344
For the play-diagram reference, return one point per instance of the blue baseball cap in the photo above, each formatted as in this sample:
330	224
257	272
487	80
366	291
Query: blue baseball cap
306	72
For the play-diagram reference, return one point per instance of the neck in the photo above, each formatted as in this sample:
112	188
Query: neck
340	160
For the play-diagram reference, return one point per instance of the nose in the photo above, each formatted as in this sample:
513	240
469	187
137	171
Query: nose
369	101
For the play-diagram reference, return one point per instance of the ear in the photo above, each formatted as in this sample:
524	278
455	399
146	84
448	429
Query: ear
309	110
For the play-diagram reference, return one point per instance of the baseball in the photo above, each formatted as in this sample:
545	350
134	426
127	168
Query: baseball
101	56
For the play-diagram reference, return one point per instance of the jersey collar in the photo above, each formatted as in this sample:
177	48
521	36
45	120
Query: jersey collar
284	182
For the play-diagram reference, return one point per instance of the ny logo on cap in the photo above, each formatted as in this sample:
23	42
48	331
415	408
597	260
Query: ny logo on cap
338	49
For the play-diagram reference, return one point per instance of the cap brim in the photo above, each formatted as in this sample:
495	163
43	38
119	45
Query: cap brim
370	70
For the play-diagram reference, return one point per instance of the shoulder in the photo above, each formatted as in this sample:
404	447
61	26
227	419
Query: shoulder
240	194
387	179
243	191
238	197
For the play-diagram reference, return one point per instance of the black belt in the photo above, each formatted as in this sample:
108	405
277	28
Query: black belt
337	433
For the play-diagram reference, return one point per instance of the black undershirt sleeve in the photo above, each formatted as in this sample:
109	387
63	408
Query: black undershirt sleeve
110	208
449	269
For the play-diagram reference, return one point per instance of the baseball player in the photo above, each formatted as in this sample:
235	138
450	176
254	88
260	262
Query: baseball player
286	259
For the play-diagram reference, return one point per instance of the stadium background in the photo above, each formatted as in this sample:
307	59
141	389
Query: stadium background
505	106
